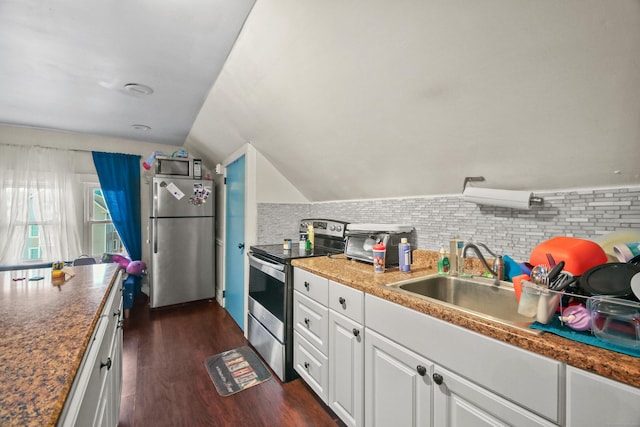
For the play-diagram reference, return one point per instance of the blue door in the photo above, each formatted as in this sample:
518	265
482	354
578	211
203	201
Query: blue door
234	242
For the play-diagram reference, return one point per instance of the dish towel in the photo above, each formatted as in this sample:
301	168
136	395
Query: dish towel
585	337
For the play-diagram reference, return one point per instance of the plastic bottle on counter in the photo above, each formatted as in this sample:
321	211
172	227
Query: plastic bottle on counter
311	235
404	255
443	262
379	257
455	255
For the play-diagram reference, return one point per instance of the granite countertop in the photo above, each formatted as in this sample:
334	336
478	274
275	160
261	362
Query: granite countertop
610	364
45	329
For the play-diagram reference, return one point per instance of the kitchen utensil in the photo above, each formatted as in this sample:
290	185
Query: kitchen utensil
552	262
555	271
612	279
563	280
540	275
635	285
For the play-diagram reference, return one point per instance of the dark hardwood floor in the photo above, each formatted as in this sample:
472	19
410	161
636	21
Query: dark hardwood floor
165	382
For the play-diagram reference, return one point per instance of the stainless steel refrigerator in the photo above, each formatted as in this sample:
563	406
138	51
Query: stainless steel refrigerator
182	239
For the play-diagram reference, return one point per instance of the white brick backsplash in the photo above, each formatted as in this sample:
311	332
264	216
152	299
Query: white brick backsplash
584	214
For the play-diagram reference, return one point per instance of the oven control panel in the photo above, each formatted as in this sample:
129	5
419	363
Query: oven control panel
326	227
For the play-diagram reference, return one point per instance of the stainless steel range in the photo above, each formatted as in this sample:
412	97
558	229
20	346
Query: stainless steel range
270	325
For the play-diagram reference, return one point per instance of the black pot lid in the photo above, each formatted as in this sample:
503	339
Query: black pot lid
609	279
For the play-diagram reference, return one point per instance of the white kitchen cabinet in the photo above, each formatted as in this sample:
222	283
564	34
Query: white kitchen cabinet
346	353
94	399
311	331
458	402
398	385
489	378
328	343
594	401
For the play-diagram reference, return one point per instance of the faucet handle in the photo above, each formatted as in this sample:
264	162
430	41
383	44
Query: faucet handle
498	267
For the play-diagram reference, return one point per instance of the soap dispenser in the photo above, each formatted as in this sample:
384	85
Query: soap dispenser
443	262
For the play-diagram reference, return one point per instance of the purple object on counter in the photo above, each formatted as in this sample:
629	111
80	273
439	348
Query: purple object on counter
576	317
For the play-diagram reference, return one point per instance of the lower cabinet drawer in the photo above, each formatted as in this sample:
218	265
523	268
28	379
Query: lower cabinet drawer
311	321
311	365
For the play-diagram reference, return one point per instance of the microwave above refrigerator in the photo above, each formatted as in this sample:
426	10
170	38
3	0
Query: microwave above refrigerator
178	167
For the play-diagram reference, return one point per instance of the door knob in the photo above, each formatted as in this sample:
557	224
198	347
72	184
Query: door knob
240	245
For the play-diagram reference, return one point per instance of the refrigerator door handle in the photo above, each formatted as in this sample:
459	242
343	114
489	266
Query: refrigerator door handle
155	235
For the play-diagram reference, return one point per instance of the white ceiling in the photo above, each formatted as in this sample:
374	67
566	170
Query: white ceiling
366	99
347	99
65	63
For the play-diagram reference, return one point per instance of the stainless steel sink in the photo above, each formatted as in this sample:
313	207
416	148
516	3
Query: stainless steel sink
477	296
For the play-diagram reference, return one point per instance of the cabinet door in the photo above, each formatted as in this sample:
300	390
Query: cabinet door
461	403
596	401
346	370
116	373
398	384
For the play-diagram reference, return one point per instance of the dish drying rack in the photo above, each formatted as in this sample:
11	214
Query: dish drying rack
611	320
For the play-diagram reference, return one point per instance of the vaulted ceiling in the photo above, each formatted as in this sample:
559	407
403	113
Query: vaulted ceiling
348	100
138	70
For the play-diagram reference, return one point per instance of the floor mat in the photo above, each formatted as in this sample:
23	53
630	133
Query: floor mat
236	370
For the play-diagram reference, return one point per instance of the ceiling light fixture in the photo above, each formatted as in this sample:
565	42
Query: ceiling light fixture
138	89
142	128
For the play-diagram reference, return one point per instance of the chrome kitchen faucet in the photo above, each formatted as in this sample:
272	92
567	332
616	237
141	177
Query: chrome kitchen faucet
496	270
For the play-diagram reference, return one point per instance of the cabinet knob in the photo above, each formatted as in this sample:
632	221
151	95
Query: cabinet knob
107	364
422	371
306	321
306	285
306	365
437	378
342	301
356	332
116	313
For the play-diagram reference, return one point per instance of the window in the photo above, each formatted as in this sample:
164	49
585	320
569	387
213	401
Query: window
99	230
33	244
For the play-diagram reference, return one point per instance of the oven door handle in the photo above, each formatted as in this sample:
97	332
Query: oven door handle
274	270
267	263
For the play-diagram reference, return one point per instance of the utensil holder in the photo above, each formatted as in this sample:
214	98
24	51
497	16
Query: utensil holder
538	302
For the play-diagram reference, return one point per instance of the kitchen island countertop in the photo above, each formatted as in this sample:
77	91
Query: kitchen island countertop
44	332
610	364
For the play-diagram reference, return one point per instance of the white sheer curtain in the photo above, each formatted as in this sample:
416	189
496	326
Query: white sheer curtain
36	187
